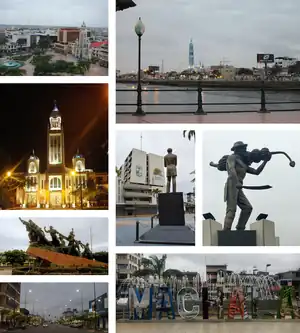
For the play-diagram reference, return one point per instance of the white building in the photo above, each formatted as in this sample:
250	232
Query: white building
141	173
127	264
285	62
82	45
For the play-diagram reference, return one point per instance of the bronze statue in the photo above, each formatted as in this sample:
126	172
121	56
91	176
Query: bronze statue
35	233
170	162
237	166
87	253
53	233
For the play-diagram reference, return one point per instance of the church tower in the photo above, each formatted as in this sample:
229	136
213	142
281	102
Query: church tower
56	153
83	43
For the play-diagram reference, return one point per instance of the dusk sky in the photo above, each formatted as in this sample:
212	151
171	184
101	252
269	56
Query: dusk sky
53	298
54	13
84	112
88	230
230	30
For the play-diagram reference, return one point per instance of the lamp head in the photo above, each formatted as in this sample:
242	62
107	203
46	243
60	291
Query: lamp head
139	28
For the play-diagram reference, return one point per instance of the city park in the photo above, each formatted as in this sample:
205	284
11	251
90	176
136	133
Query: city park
60	255
42	60
166	295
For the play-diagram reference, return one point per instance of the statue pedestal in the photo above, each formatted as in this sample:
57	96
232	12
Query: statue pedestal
171	209
210	230
237	238
265	233
171	229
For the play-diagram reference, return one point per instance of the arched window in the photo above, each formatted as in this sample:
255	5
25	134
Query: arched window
55	183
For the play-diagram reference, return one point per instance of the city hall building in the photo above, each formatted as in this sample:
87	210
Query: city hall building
57	187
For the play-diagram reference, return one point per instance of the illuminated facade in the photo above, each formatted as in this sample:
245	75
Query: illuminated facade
59	186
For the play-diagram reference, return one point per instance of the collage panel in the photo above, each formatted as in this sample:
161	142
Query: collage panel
181	68
54	246
54	146
155	192
207	292
253	201
38	39
56	307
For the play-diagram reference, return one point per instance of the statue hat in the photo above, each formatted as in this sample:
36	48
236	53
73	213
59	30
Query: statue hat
238	144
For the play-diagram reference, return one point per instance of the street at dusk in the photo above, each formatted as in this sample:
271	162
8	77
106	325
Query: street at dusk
60	161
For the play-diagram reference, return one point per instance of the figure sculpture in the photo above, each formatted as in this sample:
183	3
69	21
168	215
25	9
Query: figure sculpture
170	162
87	253
237	166
35	233
53	233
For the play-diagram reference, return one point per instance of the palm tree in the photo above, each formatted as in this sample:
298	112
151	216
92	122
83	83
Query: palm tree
190	135
155	192
118	172
152	265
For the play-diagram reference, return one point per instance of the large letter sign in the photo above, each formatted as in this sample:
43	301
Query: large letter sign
139	302
187	298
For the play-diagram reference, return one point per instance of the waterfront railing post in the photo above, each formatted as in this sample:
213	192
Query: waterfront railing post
139	30
200	101
137	231
262	99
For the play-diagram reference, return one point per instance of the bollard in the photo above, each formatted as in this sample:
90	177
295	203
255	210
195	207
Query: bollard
137	231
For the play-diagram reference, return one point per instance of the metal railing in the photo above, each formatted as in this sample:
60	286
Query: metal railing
200	104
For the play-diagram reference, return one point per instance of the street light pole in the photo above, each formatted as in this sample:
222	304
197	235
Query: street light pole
139	30
95	306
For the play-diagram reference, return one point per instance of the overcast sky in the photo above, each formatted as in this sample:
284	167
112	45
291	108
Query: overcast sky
281	202
236	262
54	13
14	235
52	298
157	142
231	29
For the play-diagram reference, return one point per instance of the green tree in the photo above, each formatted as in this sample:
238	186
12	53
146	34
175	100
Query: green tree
101	256
155	192
16	257
152	265
190	135
118	172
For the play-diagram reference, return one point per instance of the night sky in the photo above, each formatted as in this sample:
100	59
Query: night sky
24	117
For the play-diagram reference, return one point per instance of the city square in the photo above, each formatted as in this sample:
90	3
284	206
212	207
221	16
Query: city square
39	46
155	194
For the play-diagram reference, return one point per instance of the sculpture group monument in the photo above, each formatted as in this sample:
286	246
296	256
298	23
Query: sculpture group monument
238	165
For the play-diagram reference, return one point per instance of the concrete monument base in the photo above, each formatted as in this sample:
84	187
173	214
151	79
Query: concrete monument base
210	230
169	235
237	238
265	233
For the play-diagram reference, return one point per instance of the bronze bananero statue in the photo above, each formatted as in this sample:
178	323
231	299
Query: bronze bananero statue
237	166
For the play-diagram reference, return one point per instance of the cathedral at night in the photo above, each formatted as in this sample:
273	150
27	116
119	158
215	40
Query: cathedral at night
58	186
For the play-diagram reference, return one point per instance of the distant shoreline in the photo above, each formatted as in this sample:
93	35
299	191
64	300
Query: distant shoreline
219	84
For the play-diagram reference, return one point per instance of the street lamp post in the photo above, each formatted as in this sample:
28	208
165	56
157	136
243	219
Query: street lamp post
95	306
28	291
139	30
79	290
267	265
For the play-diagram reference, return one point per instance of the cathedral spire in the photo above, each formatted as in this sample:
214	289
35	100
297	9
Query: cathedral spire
55	108
83	25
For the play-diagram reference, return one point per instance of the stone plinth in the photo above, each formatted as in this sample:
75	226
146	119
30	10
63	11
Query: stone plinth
237	238
265	232
61	259
210	230
171	209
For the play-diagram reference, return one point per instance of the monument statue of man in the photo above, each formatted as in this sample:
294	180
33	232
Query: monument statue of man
170	162
237	167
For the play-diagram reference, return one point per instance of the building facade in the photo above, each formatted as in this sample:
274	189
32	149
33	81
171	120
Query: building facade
9	298
140	176
59	186
126	265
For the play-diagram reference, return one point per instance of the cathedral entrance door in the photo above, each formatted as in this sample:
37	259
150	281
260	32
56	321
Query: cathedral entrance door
55	199
31	200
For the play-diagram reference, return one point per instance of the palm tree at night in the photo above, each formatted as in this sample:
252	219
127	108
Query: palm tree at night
152	266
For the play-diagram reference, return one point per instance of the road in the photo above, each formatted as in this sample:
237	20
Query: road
198	327
56	329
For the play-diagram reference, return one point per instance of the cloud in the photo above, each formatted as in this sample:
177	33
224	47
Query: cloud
232	29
